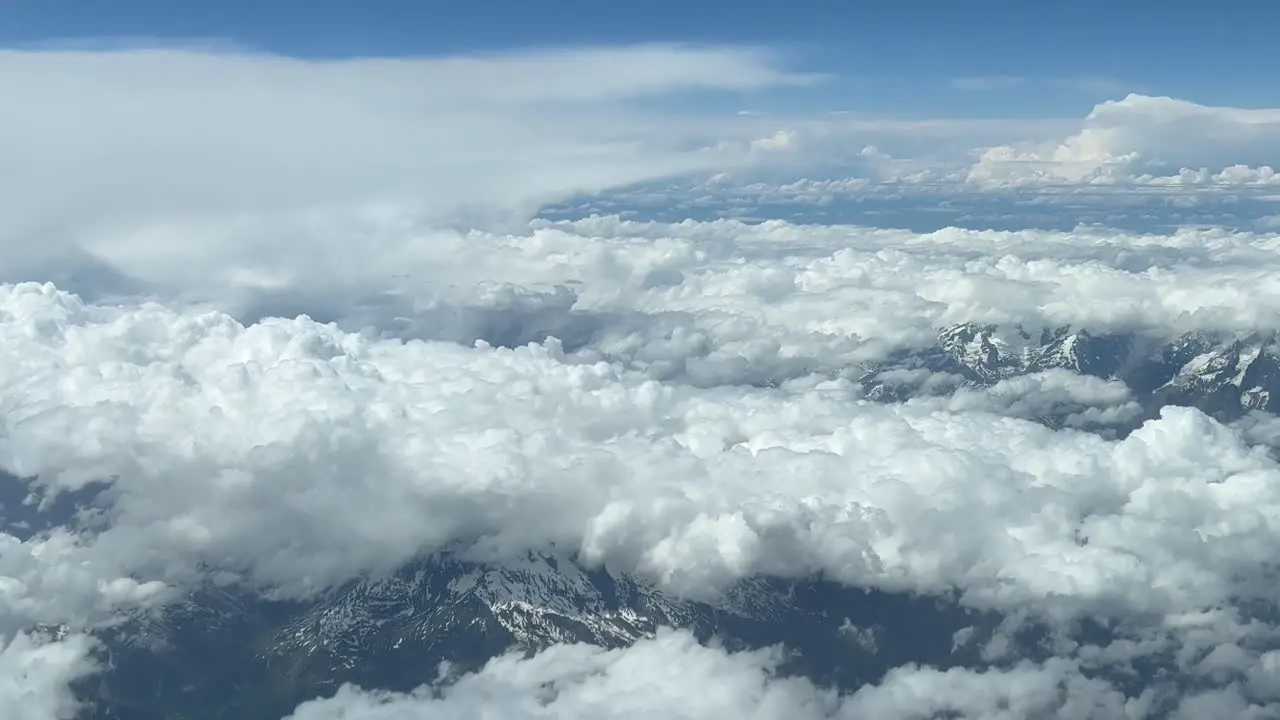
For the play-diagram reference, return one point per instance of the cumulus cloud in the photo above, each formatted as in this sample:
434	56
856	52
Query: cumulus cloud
36	672
1122	151
243	443
727	300
285	349
302	455
1147	140
1078	399
983	83
672	675
830	284
676	402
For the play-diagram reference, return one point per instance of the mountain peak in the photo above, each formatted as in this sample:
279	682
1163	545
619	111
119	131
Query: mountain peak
1222	374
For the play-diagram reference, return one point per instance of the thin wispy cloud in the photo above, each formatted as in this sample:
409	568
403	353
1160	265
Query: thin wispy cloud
1097	86
988	83
1091	85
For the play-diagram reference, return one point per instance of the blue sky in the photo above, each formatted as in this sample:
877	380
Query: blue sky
901	57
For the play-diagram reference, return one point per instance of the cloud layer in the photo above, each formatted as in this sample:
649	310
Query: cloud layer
1134	144
1148	141
285	346
672	676
112	140
298	455
303	455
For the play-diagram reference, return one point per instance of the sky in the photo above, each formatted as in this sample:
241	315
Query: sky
279	279
970	59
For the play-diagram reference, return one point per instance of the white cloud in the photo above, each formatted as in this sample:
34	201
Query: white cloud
1093	85
1097	85
1083	400
780	140
36	673
987	82
818	286
825	295
1147	140
694	417
268	448
672	676
116	139
278	174
302	455
1136	143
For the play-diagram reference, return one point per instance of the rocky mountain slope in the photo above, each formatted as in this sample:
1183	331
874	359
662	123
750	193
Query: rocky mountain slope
226	653
1224	375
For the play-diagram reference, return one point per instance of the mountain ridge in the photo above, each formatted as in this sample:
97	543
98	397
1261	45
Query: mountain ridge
1224	374
399	631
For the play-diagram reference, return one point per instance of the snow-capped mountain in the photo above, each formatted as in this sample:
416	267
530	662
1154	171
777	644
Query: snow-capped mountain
1223	375
226	652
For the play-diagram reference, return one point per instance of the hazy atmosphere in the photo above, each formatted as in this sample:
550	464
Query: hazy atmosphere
395	362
